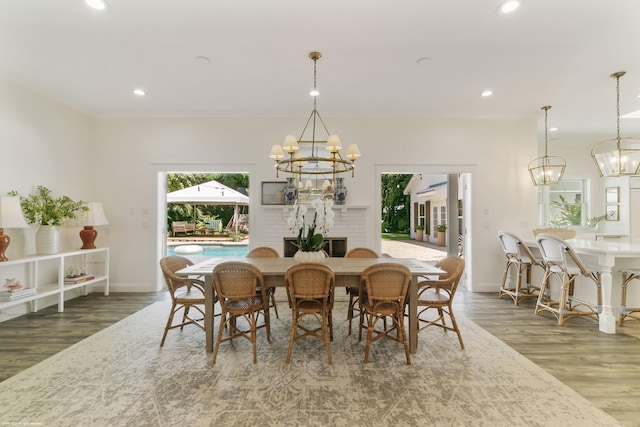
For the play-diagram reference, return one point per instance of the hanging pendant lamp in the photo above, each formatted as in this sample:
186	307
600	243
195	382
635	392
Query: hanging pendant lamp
619	156
548	169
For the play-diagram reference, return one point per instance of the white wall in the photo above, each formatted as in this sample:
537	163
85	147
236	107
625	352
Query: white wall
54	144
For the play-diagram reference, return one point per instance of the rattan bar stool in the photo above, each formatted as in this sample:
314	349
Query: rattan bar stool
628	275
521	261
562	261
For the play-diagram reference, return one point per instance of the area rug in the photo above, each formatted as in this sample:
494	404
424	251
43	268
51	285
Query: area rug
121	377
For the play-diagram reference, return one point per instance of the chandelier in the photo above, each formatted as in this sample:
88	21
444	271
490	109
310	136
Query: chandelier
548	169
619	156
301	157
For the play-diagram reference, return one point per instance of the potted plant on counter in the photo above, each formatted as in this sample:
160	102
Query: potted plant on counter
442	234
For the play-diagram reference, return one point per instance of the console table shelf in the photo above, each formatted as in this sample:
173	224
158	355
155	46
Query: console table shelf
46	273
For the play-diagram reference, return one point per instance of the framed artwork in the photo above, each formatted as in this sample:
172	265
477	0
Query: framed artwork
613	213
612	195
273	192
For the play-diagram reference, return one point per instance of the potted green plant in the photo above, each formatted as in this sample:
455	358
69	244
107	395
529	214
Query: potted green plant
419	232
441	229
47	212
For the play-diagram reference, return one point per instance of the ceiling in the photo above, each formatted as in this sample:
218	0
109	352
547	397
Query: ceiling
548	52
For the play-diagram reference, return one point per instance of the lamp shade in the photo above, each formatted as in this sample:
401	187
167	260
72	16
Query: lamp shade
353	152
290	144
95	215
11	215
333	143
276	152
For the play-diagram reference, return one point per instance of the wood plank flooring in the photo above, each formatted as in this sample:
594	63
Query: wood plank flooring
603	368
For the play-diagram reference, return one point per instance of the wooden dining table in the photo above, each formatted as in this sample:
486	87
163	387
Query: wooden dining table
347	272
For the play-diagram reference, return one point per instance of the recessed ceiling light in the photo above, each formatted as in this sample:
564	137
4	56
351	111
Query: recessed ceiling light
97	4
487	93
553	129
509	6
314	93
423	60
203	59
139	92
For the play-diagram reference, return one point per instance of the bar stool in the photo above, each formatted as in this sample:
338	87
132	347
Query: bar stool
521	260
627	276
561	260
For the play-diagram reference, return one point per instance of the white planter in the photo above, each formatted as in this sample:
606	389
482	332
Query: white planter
301	256
47	240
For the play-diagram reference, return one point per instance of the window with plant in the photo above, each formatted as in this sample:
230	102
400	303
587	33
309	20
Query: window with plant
564	204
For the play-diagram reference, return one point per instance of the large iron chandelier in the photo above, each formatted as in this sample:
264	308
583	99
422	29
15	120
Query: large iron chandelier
301	157
546	170
619	156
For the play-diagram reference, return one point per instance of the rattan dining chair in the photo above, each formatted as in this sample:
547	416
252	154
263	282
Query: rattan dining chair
354	292
237	284
186	293
438	294
562	261
383	291
310	289
628	275
267	252
520	261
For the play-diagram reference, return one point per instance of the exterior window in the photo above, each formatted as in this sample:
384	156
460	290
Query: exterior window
421	214
563	204
439	217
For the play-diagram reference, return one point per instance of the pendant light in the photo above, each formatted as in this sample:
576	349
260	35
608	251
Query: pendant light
619	156
548	169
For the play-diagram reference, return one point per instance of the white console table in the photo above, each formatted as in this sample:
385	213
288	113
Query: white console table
46	274
606	253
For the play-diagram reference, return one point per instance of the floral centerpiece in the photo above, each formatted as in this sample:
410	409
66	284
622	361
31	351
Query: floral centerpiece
311	236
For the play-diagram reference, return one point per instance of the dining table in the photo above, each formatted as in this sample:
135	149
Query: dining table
347	273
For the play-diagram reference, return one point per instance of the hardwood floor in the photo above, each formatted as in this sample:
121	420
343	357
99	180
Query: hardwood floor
603	368
29	339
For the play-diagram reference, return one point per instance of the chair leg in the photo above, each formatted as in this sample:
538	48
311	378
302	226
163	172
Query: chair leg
369	317
564	295
185	316
292	337
327	337
272	297
223	323
253	318
169	322
455	326
352	307
403	337
544	286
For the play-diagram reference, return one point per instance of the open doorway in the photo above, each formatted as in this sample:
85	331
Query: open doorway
202	219
453	210
207	214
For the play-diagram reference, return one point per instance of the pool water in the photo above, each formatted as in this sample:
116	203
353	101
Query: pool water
215	250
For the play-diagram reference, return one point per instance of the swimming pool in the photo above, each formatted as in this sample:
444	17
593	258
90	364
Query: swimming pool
215	250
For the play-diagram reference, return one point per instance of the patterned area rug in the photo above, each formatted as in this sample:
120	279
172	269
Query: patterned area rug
120	377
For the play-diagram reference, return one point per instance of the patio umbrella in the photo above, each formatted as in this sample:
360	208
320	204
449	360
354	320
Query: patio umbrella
210	193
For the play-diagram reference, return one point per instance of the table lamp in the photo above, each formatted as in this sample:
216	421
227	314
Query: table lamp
94	217
11	216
